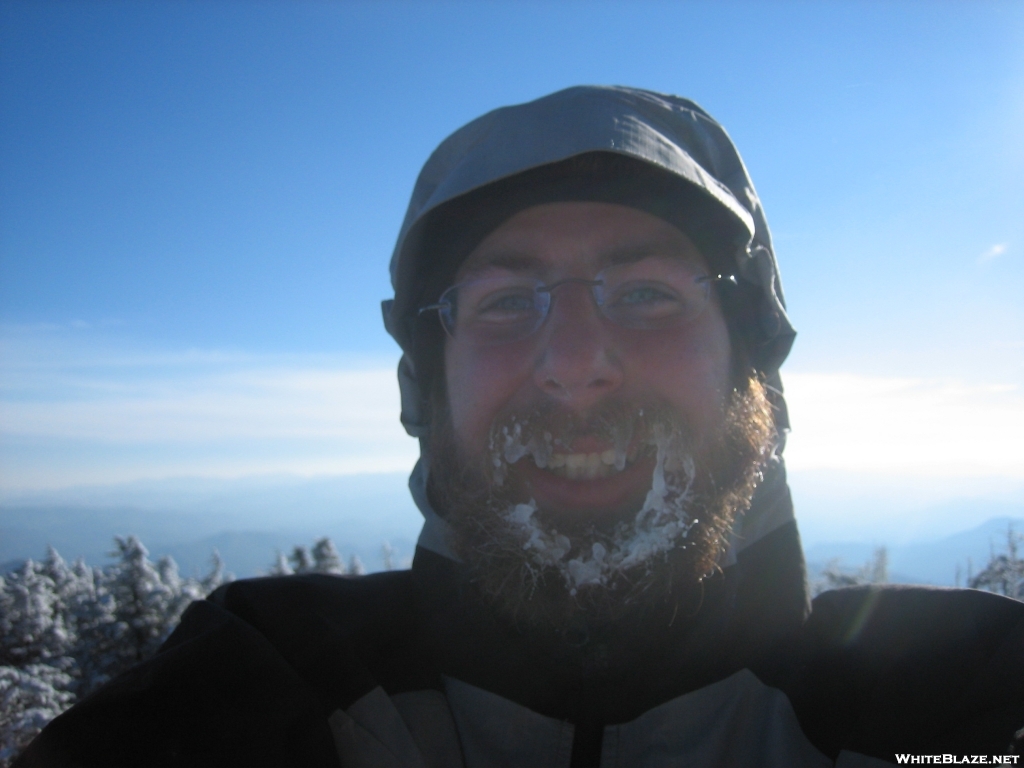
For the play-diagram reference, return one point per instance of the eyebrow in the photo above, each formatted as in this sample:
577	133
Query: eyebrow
634	253
514	261
520	261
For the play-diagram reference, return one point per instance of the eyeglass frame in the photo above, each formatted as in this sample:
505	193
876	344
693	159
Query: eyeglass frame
441	306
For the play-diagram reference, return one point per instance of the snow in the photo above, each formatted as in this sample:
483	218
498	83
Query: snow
661	523
66	630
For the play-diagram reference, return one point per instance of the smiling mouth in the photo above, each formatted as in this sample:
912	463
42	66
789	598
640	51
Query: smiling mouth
588	466
575	455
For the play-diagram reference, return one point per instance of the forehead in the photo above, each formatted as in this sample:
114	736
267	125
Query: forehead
568	236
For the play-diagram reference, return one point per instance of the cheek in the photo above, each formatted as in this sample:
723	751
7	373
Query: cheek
481	382
690	372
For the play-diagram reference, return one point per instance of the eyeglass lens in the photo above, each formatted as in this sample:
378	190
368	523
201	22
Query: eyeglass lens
650	294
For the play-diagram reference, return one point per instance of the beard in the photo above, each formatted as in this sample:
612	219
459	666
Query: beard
549	569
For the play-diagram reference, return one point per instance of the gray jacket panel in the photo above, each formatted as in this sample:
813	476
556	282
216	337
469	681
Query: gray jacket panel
738	721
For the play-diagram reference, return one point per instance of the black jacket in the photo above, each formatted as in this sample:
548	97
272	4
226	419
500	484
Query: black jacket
263	672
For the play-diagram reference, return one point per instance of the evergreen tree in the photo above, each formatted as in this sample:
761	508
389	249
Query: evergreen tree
31	626
326	558
355	566
387	556
834	576
1004	573
323	558
65	630
30	697
300	560
280	567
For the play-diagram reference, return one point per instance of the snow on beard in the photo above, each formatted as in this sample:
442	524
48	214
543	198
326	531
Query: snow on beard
527	562
594	554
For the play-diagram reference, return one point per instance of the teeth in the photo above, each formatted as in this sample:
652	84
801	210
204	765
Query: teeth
584	466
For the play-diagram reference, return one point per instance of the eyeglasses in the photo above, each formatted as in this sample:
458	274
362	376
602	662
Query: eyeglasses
651	294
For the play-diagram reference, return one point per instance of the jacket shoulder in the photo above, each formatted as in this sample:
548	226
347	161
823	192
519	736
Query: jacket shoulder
360	631
884	669
249	677
292	611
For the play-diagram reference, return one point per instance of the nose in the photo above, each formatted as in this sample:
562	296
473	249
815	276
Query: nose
577	363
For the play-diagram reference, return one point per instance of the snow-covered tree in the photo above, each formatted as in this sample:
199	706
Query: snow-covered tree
326	558
149	598
834	576
65	630
323	557
218	574
387	556
32	627
30	697
300	560
355	566
280	566
1004	572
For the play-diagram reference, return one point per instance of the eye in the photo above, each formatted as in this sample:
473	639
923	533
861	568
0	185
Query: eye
505	307
644	294
650	303
507	302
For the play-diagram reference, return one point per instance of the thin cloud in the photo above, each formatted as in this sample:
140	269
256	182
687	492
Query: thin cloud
992	253
911	426
156	415
205	413
254	404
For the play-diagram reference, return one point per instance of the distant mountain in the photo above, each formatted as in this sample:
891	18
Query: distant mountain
925	562
88	532
838	506
252	553
247	520
250	519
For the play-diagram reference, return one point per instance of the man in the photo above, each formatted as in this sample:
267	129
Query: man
609	572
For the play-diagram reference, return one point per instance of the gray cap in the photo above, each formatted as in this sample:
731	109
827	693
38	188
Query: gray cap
665	132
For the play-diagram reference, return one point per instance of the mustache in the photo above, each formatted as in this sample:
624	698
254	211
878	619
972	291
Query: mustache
607	420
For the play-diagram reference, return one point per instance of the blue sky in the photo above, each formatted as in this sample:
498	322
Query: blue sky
198	202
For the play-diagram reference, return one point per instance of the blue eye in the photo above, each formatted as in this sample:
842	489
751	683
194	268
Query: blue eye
494	310
506	307
646	294
512	302
646	304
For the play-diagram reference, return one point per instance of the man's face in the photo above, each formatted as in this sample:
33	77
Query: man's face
579	361
590	468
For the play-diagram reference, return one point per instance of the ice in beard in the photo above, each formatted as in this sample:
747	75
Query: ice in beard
662	522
